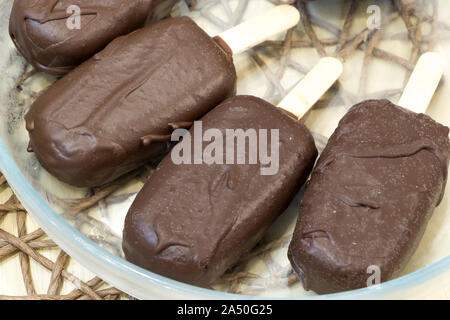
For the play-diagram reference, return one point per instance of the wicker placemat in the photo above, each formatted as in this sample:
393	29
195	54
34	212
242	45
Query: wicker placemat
27	245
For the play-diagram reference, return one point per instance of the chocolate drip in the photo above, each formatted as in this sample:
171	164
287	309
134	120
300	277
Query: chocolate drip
152	138
357	203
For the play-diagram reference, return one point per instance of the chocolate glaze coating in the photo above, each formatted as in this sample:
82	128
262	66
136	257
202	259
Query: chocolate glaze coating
370	197
116	111
39	31
193	222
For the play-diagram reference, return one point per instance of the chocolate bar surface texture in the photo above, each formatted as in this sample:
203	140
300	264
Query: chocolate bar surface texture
47	35
116	111
193	222
370	197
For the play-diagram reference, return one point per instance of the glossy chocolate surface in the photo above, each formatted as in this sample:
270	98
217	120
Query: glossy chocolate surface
39	28
370	197
116	111
193	222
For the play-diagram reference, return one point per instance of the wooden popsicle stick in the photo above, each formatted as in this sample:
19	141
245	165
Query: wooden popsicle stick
312	87
255	31
423	82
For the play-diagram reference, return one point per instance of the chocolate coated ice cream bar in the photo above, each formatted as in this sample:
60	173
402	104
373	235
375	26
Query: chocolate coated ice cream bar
373	191
192	222
57	35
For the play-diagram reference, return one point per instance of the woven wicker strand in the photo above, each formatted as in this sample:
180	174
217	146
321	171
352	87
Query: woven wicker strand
27	246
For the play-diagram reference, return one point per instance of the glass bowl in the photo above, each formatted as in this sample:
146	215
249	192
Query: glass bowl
87	223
